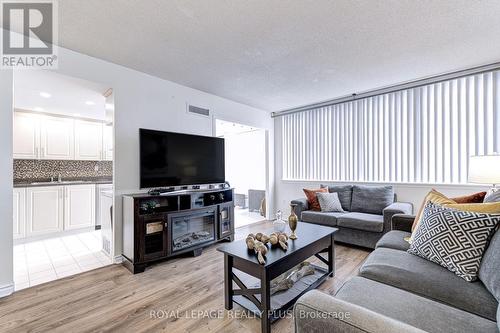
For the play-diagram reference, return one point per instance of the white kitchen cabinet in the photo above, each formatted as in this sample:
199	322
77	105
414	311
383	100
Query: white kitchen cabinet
26	133
19	212
79	206
56	138
38	136
107	142
50	209
88	140
44	210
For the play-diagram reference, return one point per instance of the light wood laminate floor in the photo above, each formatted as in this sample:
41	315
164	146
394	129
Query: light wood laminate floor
187	292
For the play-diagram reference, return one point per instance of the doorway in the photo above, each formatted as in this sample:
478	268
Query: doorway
245	164
63	147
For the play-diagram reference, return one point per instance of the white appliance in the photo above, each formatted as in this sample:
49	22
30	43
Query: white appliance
106	218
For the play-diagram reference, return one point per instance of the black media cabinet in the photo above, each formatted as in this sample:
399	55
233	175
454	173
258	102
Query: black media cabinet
156	227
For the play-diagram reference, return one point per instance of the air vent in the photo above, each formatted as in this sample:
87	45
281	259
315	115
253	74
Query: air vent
199	111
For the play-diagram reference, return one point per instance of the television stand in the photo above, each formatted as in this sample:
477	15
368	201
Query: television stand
166	225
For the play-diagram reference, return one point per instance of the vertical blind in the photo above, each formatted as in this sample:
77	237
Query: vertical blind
419	135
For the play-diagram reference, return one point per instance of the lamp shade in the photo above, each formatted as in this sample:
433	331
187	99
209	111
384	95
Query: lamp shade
484	169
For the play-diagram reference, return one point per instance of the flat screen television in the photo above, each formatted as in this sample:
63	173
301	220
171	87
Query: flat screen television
174	159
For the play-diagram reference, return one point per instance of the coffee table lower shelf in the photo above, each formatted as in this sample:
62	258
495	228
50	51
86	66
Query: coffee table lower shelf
281	301
253	280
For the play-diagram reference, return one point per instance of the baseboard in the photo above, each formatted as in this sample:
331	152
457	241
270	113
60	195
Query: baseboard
118	259
6	290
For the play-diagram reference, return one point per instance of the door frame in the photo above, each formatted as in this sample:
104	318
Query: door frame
115	256
267	152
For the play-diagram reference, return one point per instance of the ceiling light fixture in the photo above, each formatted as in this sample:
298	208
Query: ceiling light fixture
77	115
45	94
89	103
38	108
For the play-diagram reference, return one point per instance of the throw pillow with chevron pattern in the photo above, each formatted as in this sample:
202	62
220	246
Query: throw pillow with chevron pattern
454	239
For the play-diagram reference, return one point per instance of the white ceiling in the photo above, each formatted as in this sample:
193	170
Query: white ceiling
276	54
66	95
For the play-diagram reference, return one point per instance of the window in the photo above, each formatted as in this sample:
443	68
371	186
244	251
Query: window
418	135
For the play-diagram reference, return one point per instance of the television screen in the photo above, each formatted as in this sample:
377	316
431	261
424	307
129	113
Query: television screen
173	159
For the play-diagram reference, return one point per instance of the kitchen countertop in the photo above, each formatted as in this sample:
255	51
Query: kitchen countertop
47	182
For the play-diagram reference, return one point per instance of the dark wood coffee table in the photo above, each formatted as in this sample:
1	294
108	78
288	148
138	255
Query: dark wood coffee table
253	279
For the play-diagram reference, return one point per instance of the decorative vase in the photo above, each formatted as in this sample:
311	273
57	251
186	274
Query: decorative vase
279	225
262	209
292	222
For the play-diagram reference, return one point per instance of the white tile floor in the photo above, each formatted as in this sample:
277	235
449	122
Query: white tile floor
54	258
243	217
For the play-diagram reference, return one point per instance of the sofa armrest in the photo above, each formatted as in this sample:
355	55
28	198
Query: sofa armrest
393	209
402	222
302	205
399	208
318	312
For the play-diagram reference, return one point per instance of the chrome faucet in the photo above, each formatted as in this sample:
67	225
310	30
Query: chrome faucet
59	179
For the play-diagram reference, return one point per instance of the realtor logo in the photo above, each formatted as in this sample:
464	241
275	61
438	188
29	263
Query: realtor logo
29	31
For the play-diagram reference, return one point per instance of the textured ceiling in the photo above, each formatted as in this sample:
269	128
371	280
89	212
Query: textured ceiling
277	54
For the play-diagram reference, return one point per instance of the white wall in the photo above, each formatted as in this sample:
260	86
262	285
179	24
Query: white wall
246	160
141	101
285	191
6	174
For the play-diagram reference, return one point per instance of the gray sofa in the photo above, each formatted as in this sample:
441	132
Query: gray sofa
399	292
369	210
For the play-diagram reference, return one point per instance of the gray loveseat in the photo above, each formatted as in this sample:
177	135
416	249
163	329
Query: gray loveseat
367	216
399	292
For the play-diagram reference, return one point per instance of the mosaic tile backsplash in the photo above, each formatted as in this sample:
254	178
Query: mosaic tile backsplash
42	169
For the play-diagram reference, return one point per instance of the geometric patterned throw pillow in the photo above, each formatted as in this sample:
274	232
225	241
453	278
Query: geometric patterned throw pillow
329	202
454	239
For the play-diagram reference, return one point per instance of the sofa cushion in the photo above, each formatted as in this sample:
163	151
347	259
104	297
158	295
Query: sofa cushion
371	199
395	239
344	192
362	221
471	198
454	239
329	202
323	218
488	207
434	196
312	198
492	197
318	312
420	276
489	272
415	310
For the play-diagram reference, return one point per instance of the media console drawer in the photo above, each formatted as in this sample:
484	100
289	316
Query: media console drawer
154	227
